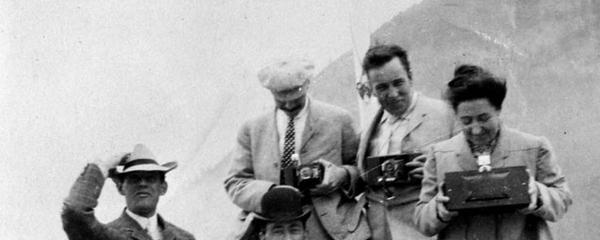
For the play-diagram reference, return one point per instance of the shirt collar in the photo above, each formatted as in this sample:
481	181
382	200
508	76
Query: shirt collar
392	119
144	222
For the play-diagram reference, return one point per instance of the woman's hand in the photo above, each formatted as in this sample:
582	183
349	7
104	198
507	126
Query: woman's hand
534	194
443	214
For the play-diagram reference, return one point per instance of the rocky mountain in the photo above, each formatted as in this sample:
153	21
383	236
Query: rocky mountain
549	52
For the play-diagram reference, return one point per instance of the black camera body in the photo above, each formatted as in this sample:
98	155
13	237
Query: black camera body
499	190
389	170
309	175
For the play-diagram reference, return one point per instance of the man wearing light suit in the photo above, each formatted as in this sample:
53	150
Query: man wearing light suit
407	122
299	130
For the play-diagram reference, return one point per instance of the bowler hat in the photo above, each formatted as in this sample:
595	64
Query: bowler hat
282	204
141	159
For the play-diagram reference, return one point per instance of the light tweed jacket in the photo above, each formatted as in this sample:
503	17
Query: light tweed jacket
431	121
514	148
328	134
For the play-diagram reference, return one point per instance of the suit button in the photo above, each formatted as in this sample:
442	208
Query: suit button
276	164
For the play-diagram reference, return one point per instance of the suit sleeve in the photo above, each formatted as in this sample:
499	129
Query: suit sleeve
244	190
79	221
425	216
350	139
554	192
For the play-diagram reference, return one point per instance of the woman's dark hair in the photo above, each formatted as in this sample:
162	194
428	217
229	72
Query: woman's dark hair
472	82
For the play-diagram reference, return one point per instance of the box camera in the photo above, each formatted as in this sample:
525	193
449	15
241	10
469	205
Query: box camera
498	190
389	170
309	175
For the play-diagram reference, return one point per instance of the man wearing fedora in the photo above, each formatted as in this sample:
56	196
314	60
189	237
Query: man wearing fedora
141	180
299	130
283	216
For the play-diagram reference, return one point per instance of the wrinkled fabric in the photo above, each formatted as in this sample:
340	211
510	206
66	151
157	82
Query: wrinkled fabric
80	223
514	149
431	121
255	167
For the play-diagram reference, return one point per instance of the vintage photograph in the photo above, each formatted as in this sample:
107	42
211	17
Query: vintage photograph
305	119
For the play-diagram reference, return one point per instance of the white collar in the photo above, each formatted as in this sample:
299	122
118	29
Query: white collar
150	223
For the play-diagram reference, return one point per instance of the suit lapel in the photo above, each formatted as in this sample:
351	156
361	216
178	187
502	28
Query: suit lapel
167	230
501	150
312	122
413	123
271	142
127	223
465	157
415	118
271	132
366	138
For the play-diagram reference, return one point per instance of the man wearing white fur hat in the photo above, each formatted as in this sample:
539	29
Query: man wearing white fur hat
297	132
141	180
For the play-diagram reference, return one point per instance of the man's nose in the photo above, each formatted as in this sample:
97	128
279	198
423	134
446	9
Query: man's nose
143	182
476	130
393	92
288	236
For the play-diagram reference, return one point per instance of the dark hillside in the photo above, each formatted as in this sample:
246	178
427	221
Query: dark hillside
549	51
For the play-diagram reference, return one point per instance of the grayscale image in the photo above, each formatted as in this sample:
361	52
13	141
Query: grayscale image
320	120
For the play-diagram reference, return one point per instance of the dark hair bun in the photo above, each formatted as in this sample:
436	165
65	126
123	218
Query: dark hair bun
471	82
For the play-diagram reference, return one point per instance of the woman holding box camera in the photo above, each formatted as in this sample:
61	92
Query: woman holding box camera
484	144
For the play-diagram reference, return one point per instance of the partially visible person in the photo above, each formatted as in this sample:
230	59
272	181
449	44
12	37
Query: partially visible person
476	96
407	122
141	180
299	130
282	216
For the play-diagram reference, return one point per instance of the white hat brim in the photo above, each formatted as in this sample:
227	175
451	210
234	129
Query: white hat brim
149	168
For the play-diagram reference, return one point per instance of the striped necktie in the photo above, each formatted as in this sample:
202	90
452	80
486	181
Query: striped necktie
289	144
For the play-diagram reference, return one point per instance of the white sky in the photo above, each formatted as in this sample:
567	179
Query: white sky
80	79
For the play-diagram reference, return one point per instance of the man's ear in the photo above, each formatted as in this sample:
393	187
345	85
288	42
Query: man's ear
119	185
163	187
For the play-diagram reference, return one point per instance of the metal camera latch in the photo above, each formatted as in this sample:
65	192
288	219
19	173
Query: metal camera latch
295	159
484	162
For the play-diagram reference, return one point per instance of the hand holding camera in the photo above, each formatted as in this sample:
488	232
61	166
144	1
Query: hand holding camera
309	175
394	170
503	189
417	164
534	194
333	178
443	214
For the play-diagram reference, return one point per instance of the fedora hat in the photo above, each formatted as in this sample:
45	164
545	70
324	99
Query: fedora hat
141	159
